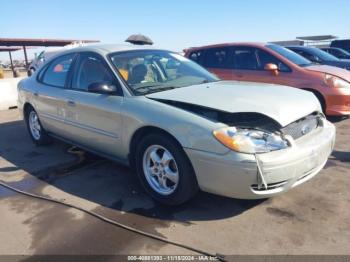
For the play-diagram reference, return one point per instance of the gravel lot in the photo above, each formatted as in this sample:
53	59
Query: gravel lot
313	218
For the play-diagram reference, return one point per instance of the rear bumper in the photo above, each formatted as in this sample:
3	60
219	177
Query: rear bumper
236	175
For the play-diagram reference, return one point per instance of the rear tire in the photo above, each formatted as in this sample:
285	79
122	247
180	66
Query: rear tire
36	131
164	170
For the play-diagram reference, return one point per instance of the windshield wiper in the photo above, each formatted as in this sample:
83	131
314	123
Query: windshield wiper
160	89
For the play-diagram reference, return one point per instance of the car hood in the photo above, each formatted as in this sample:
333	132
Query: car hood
281	103
339	72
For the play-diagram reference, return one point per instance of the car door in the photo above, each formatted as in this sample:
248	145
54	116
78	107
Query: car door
249	65
50	95
94	120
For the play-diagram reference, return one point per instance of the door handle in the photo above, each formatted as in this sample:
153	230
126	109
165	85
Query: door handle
71	103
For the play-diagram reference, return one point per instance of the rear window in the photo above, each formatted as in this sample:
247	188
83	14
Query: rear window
197	56
56	73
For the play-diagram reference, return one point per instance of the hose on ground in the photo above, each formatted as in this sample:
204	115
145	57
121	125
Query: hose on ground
113	222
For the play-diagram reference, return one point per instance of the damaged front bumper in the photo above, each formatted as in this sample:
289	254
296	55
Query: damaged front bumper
265	175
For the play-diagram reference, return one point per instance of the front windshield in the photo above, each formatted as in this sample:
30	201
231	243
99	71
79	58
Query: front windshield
150	71
290	55
322	54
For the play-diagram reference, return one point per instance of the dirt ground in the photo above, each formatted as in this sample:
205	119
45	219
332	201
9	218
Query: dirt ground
313	218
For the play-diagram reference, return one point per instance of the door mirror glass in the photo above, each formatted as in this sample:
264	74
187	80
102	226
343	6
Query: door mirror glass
102	88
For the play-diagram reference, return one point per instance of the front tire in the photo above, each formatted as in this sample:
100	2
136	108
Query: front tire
164	170
37	133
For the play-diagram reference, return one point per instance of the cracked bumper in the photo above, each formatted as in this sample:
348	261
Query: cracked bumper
236	174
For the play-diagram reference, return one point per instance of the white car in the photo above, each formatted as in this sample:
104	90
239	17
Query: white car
178	125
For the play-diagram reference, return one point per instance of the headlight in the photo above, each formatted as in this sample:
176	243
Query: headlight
333	81
249	141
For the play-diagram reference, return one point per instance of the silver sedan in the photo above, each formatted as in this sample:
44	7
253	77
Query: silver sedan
180	127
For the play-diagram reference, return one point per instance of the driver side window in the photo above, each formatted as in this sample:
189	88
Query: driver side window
91	69
251	58
266	58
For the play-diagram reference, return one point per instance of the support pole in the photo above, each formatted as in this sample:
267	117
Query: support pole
12	67
25	57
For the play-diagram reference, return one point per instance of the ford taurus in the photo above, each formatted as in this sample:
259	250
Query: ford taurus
180	127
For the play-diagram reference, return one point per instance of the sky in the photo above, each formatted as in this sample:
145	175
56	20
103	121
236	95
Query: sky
173	25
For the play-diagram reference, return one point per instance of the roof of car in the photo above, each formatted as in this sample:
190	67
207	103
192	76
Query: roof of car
110	48
330	48
254	44
301	47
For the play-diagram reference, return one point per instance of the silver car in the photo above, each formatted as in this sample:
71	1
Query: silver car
180	127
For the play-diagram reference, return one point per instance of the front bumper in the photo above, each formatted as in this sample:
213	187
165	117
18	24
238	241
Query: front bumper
236	175
338	102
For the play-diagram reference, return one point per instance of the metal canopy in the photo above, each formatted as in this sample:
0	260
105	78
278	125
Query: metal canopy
288	42
40	42
317	38
25	42
9	49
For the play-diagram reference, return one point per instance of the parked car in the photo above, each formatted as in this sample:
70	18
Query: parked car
318	56
43	56
343	44
177	124
337	52
39	60
270	63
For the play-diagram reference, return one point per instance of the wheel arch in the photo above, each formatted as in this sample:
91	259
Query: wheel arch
26	107
142	132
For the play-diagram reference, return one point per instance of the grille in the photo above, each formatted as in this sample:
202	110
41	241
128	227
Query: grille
302	126
271	186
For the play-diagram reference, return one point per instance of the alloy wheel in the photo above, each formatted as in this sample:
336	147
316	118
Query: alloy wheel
160	170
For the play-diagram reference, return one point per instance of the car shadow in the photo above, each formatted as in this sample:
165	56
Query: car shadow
336	119
101	181
341	156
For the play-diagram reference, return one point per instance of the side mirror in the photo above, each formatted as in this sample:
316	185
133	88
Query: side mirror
102	88
272	68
